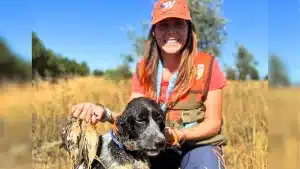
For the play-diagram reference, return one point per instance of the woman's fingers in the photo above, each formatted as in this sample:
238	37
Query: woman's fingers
73	109
88	111
78	110
97	112
84	112
94	120
169	134
88	117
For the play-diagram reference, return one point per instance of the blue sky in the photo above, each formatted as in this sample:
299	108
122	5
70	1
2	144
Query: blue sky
92	31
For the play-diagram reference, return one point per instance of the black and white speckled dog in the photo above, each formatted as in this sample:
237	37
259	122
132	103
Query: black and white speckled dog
139	135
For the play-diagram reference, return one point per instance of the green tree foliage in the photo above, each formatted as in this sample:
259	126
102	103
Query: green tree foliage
138	41
254	75
98	72
277	72
13	67
245	64
46	63
122	71
209	24
230	73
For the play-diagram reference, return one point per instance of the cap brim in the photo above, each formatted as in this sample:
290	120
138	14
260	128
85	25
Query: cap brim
170	16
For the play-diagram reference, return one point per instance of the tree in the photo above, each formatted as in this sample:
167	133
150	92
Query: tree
254	75
98	72
138	41
208	22
230	73
13	67
277	72
122	71
245	64
48	64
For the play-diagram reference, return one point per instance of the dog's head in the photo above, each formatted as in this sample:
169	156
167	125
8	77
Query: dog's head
141	125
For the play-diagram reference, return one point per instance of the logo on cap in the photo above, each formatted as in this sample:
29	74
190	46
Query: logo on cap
167	5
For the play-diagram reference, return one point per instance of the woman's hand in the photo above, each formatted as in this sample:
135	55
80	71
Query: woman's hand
90	112
174	137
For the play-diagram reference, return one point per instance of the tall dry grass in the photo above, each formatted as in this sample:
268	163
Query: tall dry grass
15	126
245	112
245	115
284	128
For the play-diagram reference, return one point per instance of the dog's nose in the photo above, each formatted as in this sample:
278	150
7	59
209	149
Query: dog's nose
160	142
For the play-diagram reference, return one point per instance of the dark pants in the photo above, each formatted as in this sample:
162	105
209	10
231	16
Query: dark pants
204	157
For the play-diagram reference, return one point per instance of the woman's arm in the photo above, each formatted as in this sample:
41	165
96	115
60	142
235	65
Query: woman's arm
213	119
213	115
95	112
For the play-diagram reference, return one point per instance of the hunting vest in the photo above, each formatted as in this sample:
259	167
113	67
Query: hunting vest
189	109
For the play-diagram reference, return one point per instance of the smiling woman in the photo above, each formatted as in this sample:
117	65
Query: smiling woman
186	83
171	35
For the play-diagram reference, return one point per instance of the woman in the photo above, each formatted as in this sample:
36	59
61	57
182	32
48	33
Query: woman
189	91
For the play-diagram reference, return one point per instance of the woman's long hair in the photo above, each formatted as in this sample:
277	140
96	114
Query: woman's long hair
186	68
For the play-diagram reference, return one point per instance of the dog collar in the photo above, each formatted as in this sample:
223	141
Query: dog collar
113	136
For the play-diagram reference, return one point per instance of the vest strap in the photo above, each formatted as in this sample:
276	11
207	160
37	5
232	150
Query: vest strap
207	83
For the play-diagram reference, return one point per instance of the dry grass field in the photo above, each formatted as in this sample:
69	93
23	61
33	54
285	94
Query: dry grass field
36	113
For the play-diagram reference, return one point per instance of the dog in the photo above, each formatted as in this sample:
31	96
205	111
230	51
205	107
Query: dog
138	134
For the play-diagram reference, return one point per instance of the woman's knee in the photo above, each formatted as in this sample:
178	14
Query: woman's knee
206	157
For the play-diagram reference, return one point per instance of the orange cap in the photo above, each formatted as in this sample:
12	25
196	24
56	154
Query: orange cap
170	8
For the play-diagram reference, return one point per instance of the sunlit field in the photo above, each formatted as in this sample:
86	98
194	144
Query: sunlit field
245	112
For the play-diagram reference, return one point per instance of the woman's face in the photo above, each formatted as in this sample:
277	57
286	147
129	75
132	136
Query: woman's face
171	34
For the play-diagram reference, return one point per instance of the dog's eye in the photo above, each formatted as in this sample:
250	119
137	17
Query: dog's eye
141	119
157	117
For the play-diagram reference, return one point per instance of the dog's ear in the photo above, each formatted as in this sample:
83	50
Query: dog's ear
124	128
159	119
